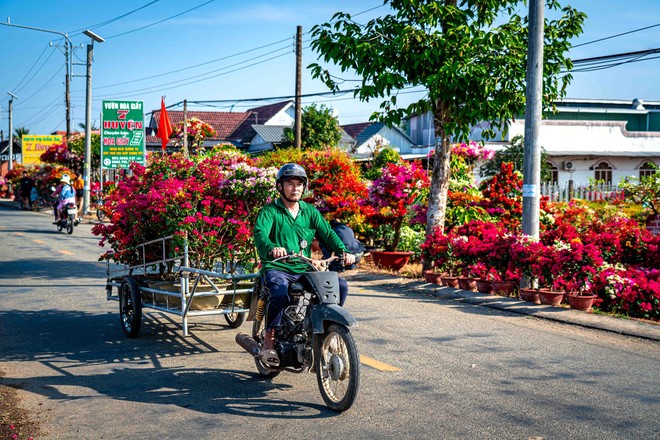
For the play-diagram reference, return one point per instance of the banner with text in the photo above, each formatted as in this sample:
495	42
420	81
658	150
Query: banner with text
36	145
122	134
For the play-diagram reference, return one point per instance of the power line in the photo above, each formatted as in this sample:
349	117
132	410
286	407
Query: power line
16	87
112	20
196	65
180	83
160	21
44	85
617	35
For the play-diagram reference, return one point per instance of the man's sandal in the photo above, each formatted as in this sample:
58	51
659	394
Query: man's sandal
269	358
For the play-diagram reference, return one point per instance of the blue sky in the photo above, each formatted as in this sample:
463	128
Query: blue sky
248	51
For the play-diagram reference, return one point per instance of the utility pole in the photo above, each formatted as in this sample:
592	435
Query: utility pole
67	93
185	128
11	131
87	174
532	150
298	128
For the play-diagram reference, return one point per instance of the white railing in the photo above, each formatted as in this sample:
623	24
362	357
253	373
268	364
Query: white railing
566	192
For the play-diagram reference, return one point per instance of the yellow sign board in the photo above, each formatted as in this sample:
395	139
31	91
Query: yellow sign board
36	145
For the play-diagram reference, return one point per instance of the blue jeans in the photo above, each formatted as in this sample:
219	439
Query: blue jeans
277	283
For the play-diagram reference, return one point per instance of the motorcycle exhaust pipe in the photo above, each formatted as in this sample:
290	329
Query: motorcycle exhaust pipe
248	344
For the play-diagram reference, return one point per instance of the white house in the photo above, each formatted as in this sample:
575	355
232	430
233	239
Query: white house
605	140
370	135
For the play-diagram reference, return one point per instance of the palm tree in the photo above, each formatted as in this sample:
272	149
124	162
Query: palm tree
19	132
82	126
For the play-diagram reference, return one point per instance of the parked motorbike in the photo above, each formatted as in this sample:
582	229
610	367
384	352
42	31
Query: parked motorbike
100	213
314	335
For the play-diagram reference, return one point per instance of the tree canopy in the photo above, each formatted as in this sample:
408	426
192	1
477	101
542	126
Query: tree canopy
469	55
319	129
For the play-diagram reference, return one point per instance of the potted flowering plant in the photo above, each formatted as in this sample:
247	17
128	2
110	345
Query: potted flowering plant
392	195
389	202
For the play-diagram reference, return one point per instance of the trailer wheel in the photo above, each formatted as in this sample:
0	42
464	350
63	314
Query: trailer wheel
130	307
235	319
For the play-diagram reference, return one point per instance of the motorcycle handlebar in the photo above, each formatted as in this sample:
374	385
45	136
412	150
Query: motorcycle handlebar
315	264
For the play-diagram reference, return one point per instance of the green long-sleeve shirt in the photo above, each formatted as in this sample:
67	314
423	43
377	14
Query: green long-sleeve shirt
276	227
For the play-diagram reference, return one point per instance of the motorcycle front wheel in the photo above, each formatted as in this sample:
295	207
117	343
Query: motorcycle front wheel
100	214
338	368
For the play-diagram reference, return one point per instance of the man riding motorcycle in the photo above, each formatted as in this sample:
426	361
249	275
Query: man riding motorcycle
284	225
65	194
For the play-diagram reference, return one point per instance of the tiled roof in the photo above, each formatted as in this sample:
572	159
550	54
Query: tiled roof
245	132
224	123
363	131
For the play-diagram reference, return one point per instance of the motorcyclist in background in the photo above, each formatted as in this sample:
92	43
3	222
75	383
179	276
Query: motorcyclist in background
289	224
65	194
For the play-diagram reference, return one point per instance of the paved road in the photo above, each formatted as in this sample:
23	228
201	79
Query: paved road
462	370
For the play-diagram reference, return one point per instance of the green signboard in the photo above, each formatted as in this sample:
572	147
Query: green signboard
122	134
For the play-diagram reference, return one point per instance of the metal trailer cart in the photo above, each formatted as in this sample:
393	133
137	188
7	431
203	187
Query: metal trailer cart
187	292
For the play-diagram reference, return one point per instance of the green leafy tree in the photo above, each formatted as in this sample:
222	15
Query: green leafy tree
83	127
77	145
382	157
470	56
514	153
319	129
19	132
645	191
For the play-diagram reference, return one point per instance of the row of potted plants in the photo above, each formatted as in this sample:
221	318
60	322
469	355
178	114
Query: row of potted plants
618	266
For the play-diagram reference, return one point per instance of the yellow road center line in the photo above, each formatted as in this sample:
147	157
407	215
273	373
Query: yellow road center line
39	241
66	252
19	234
378	365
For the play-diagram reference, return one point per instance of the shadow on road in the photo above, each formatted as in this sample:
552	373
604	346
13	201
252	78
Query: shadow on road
55	269
73	344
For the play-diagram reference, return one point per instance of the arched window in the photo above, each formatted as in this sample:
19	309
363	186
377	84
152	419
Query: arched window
553	173
647	169
603	173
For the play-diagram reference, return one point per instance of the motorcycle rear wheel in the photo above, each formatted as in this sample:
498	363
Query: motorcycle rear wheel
258	328
100	214
338	368
69	225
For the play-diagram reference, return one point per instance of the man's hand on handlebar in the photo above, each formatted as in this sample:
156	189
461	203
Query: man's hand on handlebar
348	259
278	252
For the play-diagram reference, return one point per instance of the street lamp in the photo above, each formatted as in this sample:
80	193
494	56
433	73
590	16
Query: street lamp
11	130
68	54
88	119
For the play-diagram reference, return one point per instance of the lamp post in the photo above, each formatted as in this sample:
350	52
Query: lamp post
88	119
68	54
11	131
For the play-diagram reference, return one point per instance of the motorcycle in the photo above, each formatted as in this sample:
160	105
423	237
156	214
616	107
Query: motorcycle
314	335
68	219
100	213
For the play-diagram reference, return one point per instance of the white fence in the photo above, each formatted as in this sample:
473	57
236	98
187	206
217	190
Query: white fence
566	192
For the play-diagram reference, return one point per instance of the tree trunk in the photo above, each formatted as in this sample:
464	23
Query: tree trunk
437	209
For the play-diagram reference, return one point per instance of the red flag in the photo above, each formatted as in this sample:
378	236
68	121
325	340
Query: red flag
164	126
